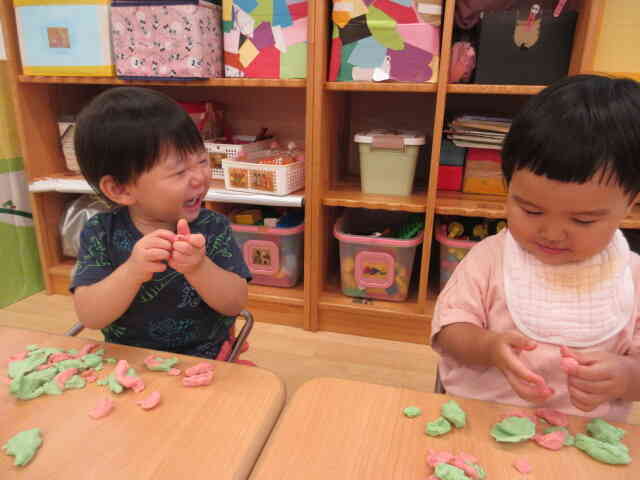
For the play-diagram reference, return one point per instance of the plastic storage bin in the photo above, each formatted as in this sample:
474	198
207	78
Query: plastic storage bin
273	255
388	161
178	39
452	251
374	267
64	37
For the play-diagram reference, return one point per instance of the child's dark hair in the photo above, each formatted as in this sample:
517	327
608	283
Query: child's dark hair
578	128
124	132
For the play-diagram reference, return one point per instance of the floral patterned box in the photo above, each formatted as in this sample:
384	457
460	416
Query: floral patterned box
179	39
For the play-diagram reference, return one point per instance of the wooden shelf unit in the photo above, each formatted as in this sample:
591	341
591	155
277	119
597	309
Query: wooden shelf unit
326	115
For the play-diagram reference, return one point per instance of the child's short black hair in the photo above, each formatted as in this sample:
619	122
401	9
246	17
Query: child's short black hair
579	127
124	132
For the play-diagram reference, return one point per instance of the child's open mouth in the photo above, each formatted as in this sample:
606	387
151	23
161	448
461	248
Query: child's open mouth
192	202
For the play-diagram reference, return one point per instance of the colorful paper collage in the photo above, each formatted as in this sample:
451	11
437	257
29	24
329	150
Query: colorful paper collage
167	39
381	40
265	38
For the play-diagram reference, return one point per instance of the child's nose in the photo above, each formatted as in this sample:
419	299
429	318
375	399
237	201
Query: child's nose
553	233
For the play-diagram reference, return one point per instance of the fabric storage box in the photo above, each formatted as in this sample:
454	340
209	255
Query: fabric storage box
530	43
223	151
450	178
256	173
273	255
375	267
483	172
265	39
64	37
388	161
385	40
179	39
452	251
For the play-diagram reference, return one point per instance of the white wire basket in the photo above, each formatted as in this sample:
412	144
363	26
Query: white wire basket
223	151
249	176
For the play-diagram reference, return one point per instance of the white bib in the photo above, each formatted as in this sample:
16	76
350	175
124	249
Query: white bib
577	304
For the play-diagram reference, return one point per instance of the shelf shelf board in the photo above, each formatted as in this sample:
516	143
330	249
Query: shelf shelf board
475	88
210	82
69	182
493	206
381	86
350	195
262	293
470	205
332	298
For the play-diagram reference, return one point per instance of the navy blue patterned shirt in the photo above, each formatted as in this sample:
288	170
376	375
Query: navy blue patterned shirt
167	313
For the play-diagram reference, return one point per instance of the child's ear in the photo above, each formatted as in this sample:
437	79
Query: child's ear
116	192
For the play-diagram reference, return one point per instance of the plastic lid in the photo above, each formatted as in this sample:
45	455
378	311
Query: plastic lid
409	137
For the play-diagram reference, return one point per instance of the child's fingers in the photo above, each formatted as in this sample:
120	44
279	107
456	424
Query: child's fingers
197	240
521	371
519	341
525	390
157	254
158	242
591	373
164	234
183	227
183	248
589	387
157	267
585	401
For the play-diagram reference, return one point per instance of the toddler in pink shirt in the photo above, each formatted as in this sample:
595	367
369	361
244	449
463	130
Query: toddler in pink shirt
561	281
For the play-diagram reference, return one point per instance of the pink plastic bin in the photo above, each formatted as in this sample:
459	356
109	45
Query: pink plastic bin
273	255
375	267
452	251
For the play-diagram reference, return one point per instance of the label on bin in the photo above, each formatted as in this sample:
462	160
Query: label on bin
375	269
262	257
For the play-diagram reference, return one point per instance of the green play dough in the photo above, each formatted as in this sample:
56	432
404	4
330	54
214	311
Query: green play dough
23	446
75	382
100	351
412	412
438	427
480	471
110	360
72	351
614	454
452	412
513	430
444	471
112	383
164	365
27	387
605	432
21	367
92	360
569	439
51	388
71	363
33	347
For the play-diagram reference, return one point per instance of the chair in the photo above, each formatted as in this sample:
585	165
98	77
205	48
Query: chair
235	350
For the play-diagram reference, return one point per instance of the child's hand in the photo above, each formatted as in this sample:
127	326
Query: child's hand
528	385
150	253
599	378
188	249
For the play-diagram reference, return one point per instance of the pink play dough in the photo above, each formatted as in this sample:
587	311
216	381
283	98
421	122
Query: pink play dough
523	466
102	409
202	367
198	380
554	417
151	401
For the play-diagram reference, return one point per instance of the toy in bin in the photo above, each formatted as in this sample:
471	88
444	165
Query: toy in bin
272	246
378	264
457	237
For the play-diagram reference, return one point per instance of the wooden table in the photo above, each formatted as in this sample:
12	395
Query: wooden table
339	429
208	432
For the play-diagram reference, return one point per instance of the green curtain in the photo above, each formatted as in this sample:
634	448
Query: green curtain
20	270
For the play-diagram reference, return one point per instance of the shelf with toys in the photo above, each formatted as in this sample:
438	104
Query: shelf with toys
325	113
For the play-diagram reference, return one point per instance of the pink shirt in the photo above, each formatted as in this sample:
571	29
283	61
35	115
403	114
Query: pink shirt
475	294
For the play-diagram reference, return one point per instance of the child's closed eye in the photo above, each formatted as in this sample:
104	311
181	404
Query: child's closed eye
583	222
531	212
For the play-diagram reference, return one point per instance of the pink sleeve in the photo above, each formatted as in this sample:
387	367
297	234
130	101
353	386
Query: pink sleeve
464	297
635	340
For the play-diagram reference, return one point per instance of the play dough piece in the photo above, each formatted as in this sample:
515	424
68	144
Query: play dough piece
614	454
27	387
552	441
519	413
92	360
110	360
174	372
523	466
17	356
127	378
438	427
454	414
112	383
86	349
412	412
89	375
23	446
199	380
468	469
102	409
202	367
63	376
554	417
159	364
513	430
605	432
444	471
569	439
434	458
75	382
150	402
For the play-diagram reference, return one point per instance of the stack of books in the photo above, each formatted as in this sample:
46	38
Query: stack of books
473	131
